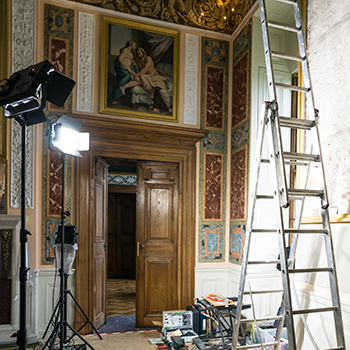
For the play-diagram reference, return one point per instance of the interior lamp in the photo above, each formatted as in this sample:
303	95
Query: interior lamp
66	137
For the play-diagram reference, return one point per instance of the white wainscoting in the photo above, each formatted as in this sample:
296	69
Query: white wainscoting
48	292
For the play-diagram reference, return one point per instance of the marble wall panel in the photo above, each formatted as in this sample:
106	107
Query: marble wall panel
239	184
58	49
240	91
213	149
240	141
215	97
213	187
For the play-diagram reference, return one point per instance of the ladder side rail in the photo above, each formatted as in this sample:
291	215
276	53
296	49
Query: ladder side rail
333	280
325	202
279	154
305	64
265	111
298	217
287	300
267	51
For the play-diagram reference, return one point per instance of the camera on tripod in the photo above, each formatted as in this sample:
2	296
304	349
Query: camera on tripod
70	235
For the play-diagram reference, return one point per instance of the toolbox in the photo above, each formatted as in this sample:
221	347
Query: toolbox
178	323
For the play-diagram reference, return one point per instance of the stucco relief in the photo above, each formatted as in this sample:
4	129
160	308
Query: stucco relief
85	62
23	20
220	16
191	79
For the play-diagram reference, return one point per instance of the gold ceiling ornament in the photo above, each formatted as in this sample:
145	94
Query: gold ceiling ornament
216	15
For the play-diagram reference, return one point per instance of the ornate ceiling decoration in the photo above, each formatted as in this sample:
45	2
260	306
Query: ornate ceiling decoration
222	16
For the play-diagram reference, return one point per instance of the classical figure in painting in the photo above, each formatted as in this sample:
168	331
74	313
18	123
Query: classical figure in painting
155	82
125	69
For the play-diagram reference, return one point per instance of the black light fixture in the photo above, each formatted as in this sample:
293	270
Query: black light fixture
23	98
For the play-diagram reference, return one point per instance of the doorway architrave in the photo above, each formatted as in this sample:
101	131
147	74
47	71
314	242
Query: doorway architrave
140	141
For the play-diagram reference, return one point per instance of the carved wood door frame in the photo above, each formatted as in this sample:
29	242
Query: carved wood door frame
139	141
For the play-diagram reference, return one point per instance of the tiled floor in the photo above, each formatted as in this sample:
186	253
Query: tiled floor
121	297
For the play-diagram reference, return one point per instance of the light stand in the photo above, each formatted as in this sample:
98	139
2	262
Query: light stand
63	132
23	97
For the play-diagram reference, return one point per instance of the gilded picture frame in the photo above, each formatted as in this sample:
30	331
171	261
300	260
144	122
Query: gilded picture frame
139	70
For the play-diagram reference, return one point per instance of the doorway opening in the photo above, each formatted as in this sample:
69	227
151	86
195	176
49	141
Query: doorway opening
121	264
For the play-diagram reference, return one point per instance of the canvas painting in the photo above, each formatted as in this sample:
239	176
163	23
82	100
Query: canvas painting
139	74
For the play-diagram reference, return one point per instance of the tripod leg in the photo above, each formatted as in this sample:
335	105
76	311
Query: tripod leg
52	338
80	337
51	319
87	318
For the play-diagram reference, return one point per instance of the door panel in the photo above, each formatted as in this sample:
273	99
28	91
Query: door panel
157	241
99	251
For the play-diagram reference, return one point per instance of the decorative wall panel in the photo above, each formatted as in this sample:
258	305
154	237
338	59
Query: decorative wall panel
191	79
86	49
214	90
240	142
213	184
23	24
214	117
58	46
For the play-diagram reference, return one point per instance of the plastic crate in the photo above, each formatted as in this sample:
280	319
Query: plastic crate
268	336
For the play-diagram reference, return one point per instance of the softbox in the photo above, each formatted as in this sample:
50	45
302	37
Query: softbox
27	90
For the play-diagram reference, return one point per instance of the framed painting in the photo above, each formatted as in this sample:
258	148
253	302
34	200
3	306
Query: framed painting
139	70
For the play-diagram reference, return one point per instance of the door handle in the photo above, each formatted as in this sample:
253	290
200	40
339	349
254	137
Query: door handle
142	247
139	247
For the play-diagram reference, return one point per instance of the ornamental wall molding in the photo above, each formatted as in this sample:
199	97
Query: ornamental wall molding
23	42
191	80
85	62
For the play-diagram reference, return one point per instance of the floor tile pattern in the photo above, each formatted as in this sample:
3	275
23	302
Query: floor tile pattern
121	297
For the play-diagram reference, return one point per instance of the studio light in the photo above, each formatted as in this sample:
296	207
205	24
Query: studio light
23	97
66	137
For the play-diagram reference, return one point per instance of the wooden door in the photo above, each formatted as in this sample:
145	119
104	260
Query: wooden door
99	239
121	235
157	287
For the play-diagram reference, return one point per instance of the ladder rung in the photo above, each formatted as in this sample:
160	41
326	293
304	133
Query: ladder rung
265	160
302	156
292	87
340	348
293	231
283	27
267	318
264	262
256	346
262	196
290	162
287	56
264	291
296	192
310	311
320	269
264	230
296	123
291	2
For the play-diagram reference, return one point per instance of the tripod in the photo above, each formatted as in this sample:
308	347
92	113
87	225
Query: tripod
59	316
60	328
